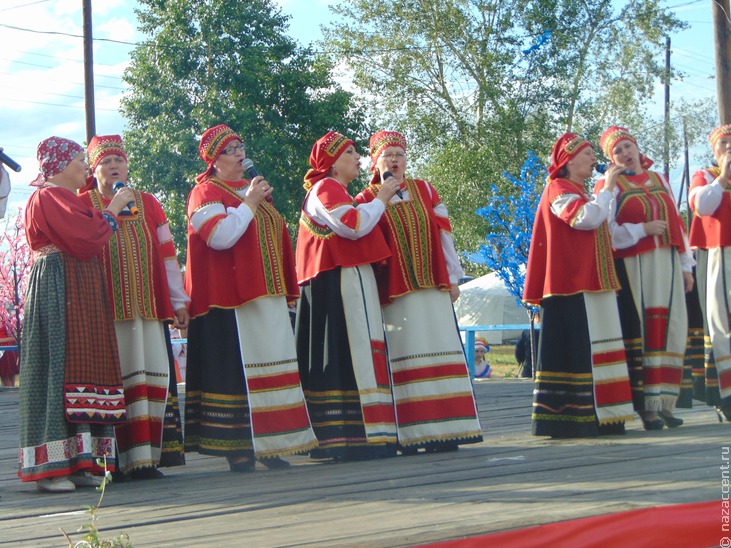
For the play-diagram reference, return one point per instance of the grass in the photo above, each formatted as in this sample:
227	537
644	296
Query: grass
502	360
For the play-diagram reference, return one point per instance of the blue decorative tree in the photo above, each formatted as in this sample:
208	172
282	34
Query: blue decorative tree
511	212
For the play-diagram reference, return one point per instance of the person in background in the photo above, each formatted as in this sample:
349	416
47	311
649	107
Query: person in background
8	358
482	368
523	352
4	189
243	396
582	388
654	267
710	236
146	292
340	340
435	406
71	393
180	352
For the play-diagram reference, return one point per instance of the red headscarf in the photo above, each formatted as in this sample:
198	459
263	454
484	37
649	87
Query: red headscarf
54	155
213	142
614	135
100	147
566	148
380	142
324	154
719	132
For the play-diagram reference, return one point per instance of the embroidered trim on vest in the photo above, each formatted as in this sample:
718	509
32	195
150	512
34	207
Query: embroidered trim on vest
408	222
131	282
270	227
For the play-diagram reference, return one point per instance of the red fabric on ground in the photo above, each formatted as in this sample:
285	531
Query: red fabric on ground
698	525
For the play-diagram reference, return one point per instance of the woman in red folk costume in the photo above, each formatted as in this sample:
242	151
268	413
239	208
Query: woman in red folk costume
340	341
710	236
243	396
582	388
435	407
145	284
654	265
71	392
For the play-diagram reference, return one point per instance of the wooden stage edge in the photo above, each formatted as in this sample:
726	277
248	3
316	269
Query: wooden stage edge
511	480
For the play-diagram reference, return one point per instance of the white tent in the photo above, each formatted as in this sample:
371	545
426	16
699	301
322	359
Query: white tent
486	301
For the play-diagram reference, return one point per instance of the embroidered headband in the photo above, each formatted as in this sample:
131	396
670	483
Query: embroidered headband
565	149
213	142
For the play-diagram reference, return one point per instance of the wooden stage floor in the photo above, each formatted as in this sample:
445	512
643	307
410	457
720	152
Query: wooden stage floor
511	480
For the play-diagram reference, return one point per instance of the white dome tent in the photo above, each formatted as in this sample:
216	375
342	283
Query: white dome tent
486	301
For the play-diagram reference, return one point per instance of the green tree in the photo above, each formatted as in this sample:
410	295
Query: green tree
476	84
217	61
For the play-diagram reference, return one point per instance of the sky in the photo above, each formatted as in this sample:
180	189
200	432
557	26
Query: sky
42	73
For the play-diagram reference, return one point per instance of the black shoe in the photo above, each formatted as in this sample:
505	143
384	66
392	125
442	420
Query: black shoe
445	447
146	473
407	451
242	467
274	463
723	412
670	421
656	424
612	429
119	476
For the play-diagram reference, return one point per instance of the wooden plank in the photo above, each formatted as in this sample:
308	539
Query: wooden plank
510	480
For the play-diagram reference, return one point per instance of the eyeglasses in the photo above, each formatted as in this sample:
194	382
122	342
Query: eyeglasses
396	156
230	151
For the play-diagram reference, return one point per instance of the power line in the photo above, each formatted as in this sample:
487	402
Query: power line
25	5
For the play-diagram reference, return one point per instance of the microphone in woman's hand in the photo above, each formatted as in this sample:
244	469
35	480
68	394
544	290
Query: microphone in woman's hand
251	171
248	165
386	175
602	168
131	205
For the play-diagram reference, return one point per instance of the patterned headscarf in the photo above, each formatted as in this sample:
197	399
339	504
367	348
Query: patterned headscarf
719	132
565	149
213	142
615	134
54	155
100	147
324	154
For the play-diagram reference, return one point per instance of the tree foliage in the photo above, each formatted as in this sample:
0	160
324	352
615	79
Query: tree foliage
212	62
15	263
476	84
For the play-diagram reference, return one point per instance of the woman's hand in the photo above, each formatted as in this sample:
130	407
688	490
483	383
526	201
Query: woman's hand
258	191
688	281
388	189
611	175
123	196
454	292
724	162
654	228
180	321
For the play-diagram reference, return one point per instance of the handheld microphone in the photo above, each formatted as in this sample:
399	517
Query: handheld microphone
602	168
386	175
8	161
248	165
251	171
131	205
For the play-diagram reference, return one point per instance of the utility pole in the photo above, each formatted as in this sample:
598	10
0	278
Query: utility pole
721	27
89	72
